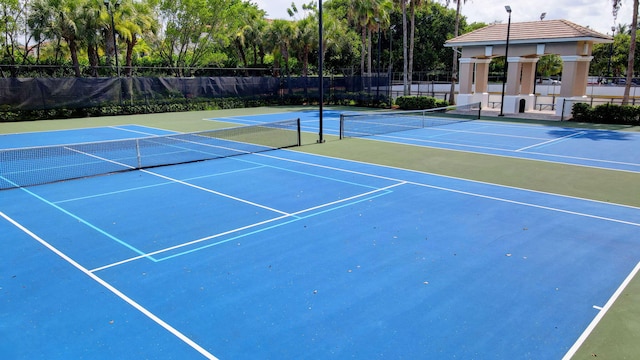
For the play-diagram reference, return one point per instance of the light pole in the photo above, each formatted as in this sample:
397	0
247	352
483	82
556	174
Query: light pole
506	60
110	7
378	63
390	84
613	35
320	77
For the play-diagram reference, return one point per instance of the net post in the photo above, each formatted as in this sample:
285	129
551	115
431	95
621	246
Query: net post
341	126
299	132
138	154
479	109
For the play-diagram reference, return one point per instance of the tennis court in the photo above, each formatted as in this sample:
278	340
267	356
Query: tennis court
284	254
607	149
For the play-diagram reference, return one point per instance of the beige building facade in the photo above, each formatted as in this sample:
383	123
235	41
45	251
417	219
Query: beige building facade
528	41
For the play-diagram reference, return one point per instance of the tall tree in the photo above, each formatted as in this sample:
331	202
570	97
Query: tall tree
405	71
248	34
361	12
94	22
632	46
195	31
61	19
380	21
12	26
306	36
414	6
454	63
137	20
281	33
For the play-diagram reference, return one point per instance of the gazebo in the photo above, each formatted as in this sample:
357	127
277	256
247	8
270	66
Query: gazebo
527	42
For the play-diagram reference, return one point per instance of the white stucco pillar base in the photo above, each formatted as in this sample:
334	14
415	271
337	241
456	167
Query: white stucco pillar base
512	103
564	108
464	99
484	102
530	101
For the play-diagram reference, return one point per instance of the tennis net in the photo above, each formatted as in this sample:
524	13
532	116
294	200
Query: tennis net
41	165
377	123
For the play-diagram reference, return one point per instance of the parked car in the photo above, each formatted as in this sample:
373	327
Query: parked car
549	81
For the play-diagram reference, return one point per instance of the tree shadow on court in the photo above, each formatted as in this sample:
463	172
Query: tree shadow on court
595	135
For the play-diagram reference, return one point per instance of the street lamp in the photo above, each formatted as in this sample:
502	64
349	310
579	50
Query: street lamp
390	84
110	7
613	35
506	61
320	70
378	63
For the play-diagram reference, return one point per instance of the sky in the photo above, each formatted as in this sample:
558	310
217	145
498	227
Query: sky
595	14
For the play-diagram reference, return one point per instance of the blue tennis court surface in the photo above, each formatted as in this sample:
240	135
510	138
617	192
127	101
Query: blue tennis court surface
616	150
289	255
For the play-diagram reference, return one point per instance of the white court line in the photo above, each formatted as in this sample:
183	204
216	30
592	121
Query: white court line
449	189
572	351
476	132
215	192
207	238
551	141
111	288
120	128
519	157
154	185
182	182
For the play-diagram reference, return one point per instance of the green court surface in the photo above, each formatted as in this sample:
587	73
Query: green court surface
615	336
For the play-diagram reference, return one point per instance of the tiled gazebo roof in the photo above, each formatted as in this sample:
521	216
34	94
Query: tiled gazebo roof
529	32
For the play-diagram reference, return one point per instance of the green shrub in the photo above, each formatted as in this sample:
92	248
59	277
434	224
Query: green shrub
606	114
181	104
582	112
418	102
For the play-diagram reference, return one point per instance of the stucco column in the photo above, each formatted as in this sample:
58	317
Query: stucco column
528	75
513	76
575	72
466	76
482	75
519	89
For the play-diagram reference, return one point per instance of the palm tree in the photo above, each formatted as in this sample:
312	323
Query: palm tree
40	24
454	64
632	46
361	13
415	4
91	12
623	29
137	20
281	33
306	36
60	19
405	72
247	36
382	18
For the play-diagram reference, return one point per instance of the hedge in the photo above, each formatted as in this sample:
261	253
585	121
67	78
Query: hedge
607	114
180	104
419	102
